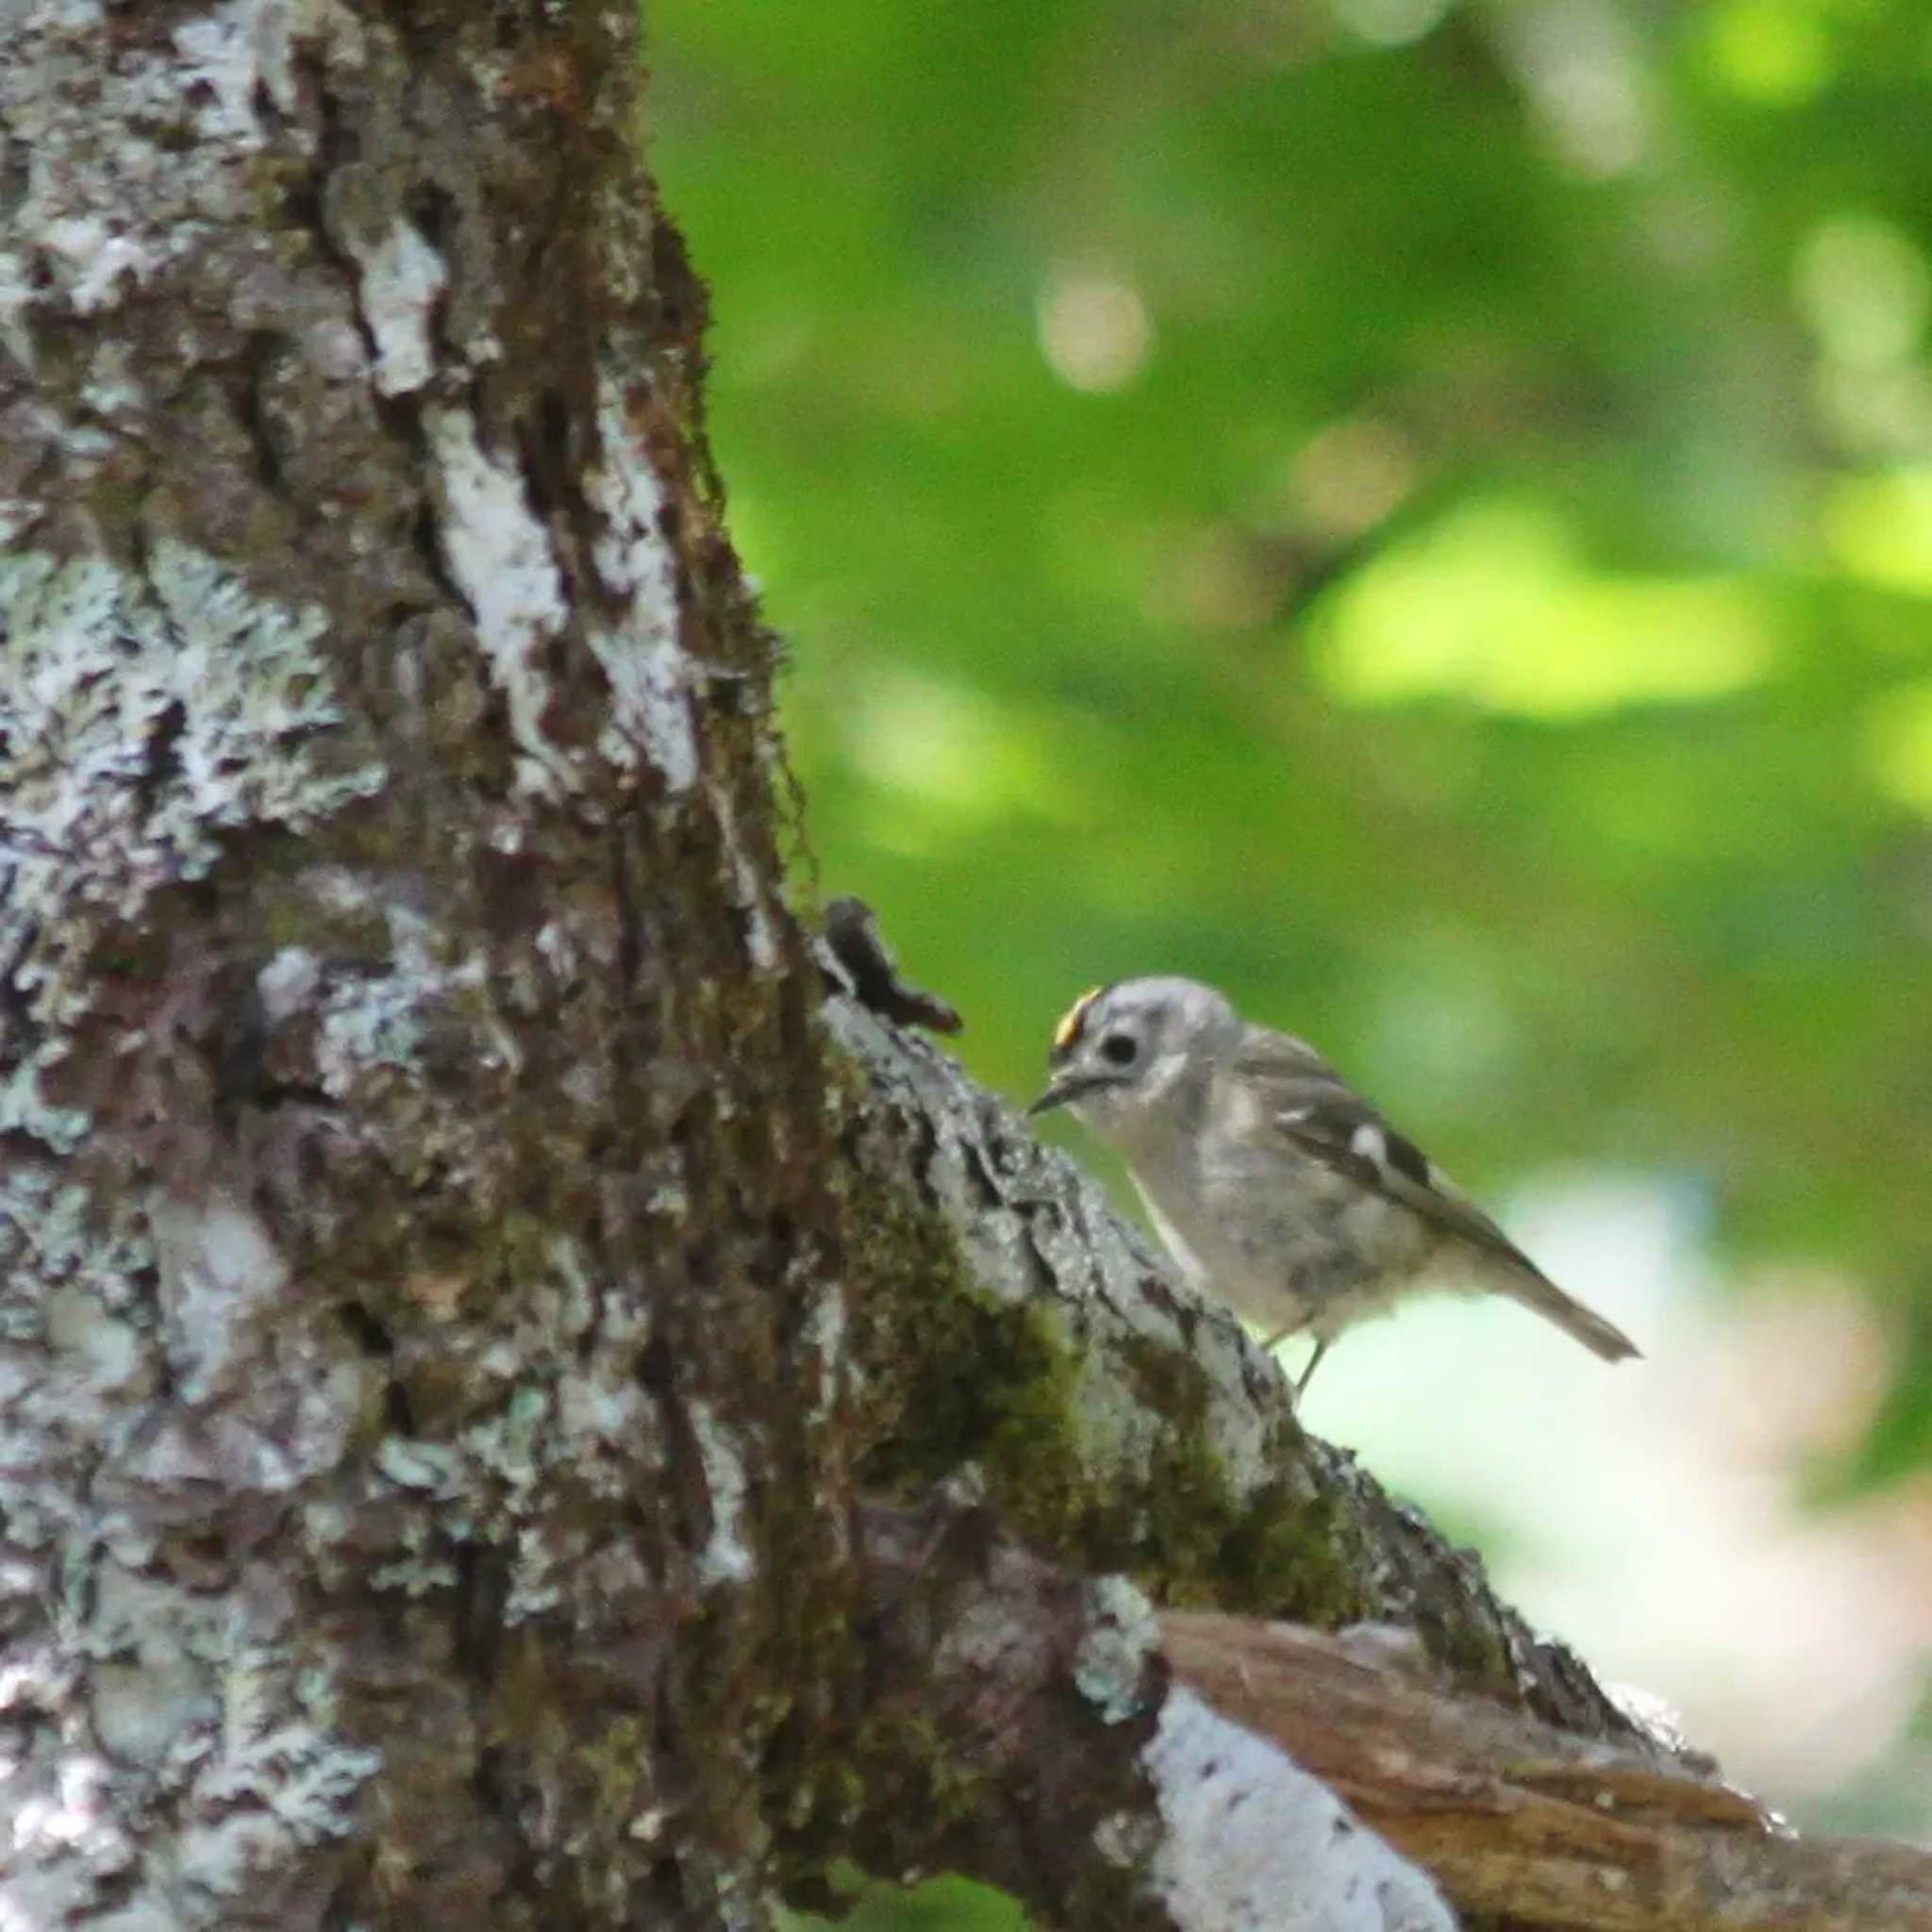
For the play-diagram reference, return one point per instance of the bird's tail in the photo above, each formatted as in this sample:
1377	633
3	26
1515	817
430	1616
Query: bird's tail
1584	1324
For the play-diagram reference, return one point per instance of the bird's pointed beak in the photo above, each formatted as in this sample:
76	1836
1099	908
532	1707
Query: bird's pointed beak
1068	1088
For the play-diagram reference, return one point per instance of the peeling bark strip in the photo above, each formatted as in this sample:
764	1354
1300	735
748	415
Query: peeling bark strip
1518	1818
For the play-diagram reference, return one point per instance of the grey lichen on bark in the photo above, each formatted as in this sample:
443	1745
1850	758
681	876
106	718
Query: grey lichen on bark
411	1133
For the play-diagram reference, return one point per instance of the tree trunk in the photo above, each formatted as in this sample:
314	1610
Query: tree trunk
517	1405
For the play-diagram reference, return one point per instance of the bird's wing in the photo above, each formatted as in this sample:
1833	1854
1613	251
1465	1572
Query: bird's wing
1306	1100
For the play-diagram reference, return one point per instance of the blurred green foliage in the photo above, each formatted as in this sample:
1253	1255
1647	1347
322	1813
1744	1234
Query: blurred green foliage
947	1904
1420	513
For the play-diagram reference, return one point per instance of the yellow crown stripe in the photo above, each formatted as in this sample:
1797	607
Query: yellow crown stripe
1068	1031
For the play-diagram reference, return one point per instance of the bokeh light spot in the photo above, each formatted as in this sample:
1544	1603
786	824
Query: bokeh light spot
1094	330
1348	476
1899	742
1390	23
1578	64
1494	605
950	754
1879	528
1862	287
1775	52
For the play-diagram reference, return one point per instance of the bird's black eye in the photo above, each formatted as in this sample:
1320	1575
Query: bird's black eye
1120	1048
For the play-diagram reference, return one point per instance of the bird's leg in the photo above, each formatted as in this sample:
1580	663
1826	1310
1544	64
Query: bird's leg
1308	1372
1281	1334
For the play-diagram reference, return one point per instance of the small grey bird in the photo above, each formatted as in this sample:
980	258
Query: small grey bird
1276	1187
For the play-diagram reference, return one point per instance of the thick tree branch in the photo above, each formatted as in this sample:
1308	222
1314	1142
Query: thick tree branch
1081	1771
1209	1752
1513	1816
1161	1440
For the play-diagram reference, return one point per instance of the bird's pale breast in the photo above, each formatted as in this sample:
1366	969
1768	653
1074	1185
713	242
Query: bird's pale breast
1285	1241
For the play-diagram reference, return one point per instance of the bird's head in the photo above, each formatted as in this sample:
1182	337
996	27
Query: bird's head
1123	1051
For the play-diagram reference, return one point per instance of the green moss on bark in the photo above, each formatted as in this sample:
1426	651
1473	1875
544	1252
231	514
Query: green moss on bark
954	1377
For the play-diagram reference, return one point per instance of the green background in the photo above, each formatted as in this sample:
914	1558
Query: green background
1419	513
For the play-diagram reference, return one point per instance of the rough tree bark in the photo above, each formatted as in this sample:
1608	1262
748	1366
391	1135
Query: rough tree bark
519	1407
